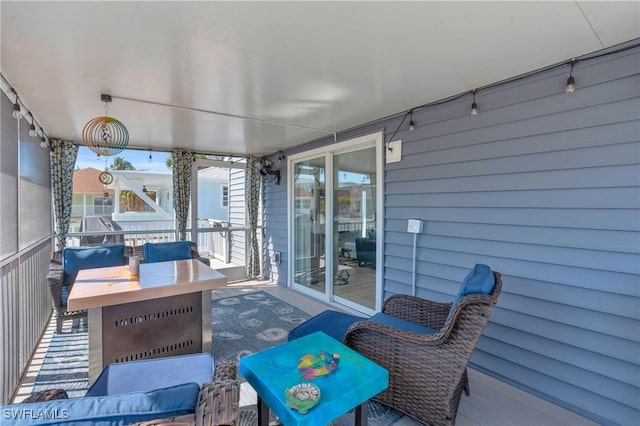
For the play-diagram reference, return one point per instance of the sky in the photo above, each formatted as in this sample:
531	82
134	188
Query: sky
139	159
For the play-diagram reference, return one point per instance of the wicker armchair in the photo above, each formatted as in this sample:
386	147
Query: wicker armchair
427	372
60	290
55	280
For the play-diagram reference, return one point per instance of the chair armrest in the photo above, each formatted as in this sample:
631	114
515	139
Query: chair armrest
196	255
201	259
55	278
417	310
218	403
376	335
225	370
46	395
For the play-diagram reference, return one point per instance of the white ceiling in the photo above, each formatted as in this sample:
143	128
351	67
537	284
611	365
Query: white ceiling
323	65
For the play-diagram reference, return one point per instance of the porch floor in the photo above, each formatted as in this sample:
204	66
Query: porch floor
491	403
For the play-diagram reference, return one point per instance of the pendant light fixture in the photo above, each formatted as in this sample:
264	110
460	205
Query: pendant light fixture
571	82
32	128
474	105
105	135
17	112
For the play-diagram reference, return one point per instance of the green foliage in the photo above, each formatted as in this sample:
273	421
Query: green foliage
119	163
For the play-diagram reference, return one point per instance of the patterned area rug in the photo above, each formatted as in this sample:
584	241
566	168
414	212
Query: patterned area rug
251	322
242	325
65	365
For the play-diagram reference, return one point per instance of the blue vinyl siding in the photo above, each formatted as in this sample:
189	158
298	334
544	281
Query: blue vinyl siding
237	214
544	186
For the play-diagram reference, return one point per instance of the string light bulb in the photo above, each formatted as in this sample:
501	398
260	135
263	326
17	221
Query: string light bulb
150	157
571	82
474	105
412	125
17	113
32	128
43	142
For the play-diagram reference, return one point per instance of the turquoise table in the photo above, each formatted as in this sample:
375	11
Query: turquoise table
350	385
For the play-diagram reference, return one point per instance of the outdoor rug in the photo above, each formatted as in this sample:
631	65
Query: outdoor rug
251	322
65	365
242	325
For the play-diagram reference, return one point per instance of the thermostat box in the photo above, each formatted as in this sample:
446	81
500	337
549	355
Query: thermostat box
414	226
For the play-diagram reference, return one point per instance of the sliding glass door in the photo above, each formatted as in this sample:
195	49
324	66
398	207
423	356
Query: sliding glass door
334	219
354	226
309	225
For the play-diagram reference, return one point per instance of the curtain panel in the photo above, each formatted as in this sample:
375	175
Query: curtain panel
253	185
62	160
182	168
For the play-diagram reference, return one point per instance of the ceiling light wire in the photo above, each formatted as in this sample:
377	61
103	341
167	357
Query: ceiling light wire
571	62
225	114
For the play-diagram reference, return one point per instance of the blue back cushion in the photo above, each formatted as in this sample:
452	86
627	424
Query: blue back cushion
163	252
122	409
396	322
76	258
479	280
332	323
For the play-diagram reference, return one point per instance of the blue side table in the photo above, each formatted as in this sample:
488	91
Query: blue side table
353	382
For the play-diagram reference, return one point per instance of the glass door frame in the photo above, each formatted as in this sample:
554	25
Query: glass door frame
328	152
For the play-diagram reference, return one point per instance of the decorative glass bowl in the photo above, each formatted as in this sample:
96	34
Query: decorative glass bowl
302	397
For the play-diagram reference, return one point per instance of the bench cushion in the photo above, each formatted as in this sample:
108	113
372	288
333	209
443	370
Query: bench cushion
120	409
163	252
142	376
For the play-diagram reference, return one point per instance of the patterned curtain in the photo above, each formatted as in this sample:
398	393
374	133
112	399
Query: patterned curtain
252	179
182	164
63	159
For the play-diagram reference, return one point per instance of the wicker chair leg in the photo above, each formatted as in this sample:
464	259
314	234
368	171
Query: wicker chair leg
465	383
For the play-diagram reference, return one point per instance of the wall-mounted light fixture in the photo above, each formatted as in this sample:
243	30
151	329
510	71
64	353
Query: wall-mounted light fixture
269	169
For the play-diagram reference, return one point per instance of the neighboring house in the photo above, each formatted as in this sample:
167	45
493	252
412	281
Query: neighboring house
136	195
213	193
90	197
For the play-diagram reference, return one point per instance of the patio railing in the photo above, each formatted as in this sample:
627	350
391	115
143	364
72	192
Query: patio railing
25	310
216	239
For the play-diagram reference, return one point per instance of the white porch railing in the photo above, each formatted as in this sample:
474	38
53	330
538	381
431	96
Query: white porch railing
25	310
215	237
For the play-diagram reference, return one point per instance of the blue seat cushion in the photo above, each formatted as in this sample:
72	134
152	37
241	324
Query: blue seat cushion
142	376
332	323
479	280
396	322
163	252
122	409
77	258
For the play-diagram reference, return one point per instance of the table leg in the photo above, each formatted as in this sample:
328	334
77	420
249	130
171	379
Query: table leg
263	413
361	414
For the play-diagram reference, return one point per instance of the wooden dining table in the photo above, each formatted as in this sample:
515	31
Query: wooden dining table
164	311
